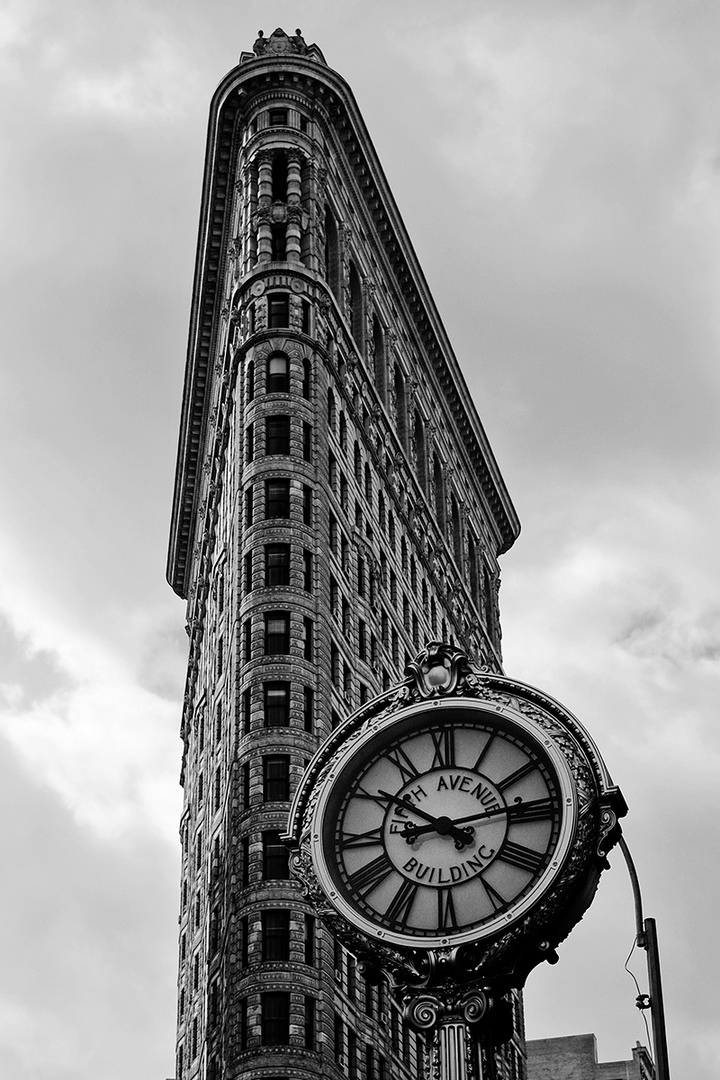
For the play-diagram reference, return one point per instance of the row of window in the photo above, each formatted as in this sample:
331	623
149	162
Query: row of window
277	438
277	501
277	376
276	567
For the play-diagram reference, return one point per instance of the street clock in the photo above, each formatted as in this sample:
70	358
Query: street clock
459	821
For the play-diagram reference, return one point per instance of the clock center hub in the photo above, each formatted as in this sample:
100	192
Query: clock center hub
444	827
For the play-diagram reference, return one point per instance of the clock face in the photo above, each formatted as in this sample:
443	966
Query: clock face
444	826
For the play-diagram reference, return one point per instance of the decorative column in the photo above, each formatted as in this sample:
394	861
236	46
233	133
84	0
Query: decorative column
458	1026
264	212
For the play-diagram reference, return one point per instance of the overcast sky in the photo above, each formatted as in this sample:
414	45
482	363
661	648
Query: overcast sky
556	163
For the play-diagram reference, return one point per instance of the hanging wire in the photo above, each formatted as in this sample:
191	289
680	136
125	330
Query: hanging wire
642	1000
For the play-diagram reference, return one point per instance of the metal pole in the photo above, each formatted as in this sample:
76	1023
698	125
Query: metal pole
657	1008
646	938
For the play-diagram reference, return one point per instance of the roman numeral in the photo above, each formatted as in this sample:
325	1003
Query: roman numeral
483	752
401	903
403	764
447	920
372	874
535	810
513	778
363	839
494	896
444	747
523	857
361	793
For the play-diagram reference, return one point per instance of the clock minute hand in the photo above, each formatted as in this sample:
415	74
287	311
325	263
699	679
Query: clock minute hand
442	825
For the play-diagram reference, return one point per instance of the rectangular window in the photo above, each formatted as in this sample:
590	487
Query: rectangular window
275	857
277	498
305	317
248	571
276	778
277	564
360	576
246	710
278	118
277	704
249	442
332	473
339	1040
308	708
247	639
278	310
352	1054
277	434
277	633
275	935
246	784
275	1018
307	441
308	639
249	506
307	505
333	535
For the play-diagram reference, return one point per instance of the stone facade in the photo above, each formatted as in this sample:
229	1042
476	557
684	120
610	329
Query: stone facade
336	506
574	1057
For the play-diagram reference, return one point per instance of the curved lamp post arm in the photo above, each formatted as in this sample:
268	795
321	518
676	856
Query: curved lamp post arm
646	938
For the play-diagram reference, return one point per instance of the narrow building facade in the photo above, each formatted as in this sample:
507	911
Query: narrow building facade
336	506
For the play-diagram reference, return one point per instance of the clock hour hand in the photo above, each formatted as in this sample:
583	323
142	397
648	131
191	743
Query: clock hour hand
443	826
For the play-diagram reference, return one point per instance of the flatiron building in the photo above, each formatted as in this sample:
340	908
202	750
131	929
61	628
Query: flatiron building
336	506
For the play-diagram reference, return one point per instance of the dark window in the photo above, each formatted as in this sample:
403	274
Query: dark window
305	316
278	310
343	431
248	571
277	374
306	383
332	252
278	118
456	533
352	1054
275	1018
277	434
248	507
277	564
379	359
279	168
339	1039
276	778
277	704
275	935
275	857
277	498
277	632
247	639
250	381
335	665
307	441
356	313
249	443
401	413
360	576
333	535
246	709
307	505
331	411
278	238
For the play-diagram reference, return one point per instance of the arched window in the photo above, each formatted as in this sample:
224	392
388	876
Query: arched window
356	314
379	359
277	374
332	252
279	176
400	406
420	452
